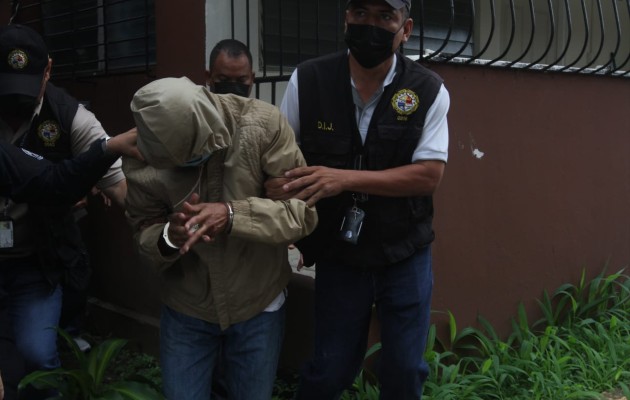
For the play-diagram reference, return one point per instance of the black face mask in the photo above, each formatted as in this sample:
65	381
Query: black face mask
17	105
369	44
228	87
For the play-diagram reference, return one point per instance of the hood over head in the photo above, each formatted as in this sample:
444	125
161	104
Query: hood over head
177	123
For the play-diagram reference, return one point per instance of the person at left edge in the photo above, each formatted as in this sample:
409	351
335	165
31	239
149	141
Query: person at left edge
50	189
38	116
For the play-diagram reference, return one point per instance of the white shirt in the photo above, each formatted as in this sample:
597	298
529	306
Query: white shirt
433	143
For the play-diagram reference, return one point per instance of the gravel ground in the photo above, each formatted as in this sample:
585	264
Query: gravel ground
615	395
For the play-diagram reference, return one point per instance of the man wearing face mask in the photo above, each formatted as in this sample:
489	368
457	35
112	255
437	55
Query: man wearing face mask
230	69
372	126
37	116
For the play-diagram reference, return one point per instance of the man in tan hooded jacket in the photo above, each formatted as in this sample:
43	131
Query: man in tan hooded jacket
220	249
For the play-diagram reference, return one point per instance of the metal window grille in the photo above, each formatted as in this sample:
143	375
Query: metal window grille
294	31
571	36
93	37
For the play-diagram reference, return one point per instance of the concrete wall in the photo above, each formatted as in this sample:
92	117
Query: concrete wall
537	187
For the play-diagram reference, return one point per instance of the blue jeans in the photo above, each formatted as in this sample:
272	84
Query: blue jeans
189	351
343	306
32	308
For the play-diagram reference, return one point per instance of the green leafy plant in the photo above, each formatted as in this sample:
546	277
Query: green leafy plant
579	349
365	386
88	381
285	386
362	389
134	365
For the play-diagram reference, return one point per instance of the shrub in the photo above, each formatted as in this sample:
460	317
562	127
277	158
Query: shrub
579	349
87	381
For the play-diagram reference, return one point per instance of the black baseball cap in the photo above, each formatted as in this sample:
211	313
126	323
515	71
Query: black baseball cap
396	4
23	60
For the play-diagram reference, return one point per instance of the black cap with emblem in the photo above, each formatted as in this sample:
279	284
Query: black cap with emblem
23	60
396	4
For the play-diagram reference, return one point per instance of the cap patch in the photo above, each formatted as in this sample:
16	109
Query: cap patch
17	59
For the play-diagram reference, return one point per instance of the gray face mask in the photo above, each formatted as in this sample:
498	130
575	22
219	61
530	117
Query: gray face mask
197	161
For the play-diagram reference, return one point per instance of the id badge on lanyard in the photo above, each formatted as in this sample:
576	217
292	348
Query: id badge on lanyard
6	227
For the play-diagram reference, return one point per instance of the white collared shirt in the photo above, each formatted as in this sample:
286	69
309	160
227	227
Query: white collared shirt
433	143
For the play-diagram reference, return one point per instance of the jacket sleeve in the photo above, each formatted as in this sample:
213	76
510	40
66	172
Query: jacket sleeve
146	213
33	180
17	168
275	222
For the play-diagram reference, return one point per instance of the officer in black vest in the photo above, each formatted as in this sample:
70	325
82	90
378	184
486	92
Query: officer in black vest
29	178
372	126
39	117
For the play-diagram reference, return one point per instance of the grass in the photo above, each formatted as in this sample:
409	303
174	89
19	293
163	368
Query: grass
579	349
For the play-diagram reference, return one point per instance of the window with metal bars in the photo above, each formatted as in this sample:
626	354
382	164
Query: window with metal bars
575	36
93	37
294	31
438	26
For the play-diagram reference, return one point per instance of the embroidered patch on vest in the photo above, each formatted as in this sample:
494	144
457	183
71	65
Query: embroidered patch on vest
17	59
405	101
49	131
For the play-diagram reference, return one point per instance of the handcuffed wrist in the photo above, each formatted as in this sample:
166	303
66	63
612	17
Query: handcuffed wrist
165	237
104	145
228	226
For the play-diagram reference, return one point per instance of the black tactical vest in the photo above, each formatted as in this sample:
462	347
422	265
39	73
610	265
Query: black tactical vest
49	134
60	247
393	228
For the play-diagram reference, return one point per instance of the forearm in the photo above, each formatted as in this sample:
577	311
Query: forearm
418	179
67	181
117	192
